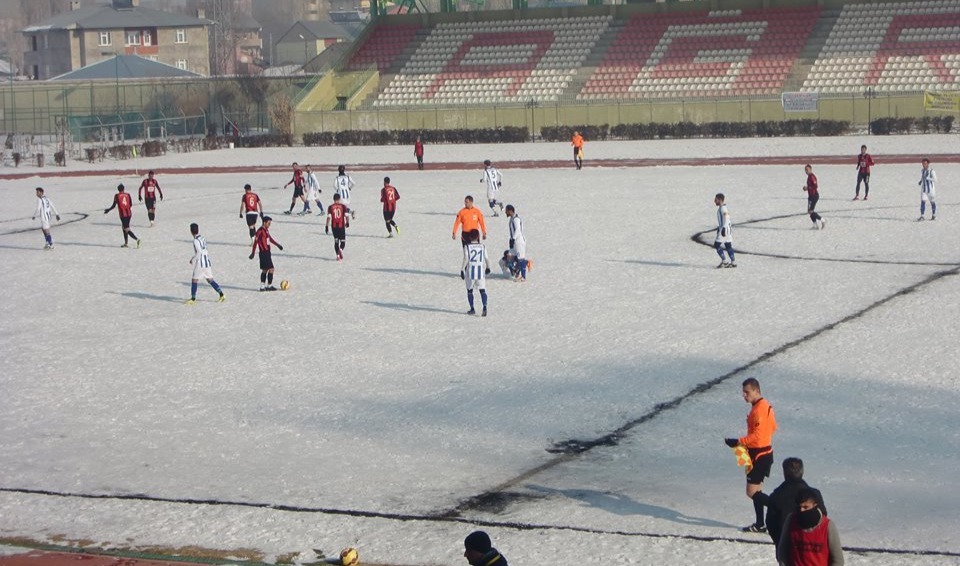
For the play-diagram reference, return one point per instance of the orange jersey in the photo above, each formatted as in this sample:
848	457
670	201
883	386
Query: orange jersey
761	424
469	219
577	141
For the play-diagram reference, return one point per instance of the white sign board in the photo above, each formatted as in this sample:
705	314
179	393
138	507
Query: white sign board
800	101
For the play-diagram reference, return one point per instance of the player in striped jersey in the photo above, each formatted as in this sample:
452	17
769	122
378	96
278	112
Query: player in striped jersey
724	240
46	211
261	243
928	190
494	180
343	184
313	192
475	268
202	268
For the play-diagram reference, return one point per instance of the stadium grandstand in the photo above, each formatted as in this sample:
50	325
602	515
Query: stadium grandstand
659	51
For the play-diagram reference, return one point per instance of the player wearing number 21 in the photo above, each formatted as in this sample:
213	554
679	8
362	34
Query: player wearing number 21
475	269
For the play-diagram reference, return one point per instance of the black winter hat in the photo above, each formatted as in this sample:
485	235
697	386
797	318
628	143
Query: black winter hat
478	541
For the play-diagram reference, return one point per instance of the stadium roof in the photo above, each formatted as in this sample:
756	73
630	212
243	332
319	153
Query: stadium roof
110	17
321	30
124	67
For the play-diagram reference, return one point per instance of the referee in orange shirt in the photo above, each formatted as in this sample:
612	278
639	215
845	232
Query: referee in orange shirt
761	424
468	219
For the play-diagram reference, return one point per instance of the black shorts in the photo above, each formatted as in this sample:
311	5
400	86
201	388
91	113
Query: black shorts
761	469
266	262
464	239
150	202
252	219
340	233
863	177
812	202
297	191
388	215
125	221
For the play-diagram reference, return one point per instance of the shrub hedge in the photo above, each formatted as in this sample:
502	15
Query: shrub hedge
887	126
407	137
686	130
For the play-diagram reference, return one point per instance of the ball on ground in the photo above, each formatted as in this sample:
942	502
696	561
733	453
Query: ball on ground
284	285
349	557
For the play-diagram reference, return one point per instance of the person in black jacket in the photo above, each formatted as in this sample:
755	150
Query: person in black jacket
480	552
783	500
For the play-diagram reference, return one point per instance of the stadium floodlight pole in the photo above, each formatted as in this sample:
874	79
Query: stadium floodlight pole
869	94
532	105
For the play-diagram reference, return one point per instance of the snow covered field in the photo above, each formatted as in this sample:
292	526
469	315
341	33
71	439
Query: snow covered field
369	404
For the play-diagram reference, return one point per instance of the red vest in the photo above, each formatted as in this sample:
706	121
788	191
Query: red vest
809	548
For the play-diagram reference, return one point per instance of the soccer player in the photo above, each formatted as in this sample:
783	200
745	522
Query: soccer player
928	190
761	424
577	142
261	243
475	268
468	219
389	197
813	195
124	205
202	268
313	192
864	162
338	220
518	243
418	152
513	267
252	208
342	185
150	188
724	239
46	211
494	180
298	182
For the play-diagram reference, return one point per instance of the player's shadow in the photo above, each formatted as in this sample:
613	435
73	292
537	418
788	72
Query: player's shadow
450	214
623	505
402	271
659	263
203	283
148	296
411	308
86	245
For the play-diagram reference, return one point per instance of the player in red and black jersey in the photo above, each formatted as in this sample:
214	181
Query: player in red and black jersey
338	220
124	205
150	188
252	208
864	162
298	181
389	197
812	189
261	243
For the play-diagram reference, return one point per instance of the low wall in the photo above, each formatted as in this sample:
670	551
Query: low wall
854	109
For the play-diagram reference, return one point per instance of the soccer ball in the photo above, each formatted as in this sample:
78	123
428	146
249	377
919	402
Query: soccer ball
284	285
349	556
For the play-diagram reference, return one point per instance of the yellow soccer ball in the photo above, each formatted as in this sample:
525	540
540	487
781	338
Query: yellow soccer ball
349	556
284	285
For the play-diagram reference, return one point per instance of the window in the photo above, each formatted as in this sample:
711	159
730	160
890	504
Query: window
46	41
104	38
181	36
182	64
133	37
147	38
